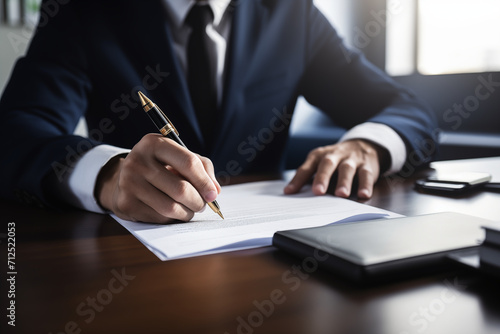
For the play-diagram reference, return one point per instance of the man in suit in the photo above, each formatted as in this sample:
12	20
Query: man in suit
227	74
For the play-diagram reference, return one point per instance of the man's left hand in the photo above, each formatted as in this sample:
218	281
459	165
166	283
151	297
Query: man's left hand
353	157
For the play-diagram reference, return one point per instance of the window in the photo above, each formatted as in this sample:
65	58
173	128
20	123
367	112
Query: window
19	12
442	36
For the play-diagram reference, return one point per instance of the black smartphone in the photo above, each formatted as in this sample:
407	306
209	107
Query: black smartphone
453	182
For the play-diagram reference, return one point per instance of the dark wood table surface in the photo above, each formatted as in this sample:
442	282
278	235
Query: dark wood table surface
80	272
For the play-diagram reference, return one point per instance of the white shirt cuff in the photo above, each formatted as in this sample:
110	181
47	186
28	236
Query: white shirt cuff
384	136
79	186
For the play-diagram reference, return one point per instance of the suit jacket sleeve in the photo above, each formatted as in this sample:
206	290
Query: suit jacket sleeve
39	110
351	90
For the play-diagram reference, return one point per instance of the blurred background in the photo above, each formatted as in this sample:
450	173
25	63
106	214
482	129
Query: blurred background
447	51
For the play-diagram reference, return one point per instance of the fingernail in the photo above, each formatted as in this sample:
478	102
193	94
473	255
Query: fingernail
319	189
289	188
211	196
364	193
341	192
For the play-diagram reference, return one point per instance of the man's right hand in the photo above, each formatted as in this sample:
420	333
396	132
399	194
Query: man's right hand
159	181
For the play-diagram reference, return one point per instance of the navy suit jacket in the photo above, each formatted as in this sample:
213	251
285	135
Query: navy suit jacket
91	57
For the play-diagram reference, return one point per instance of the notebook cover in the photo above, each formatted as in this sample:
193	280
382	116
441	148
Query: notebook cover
381	250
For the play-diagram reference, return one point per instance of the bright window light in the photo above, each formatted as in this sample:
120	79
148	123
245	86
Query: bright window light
400	45
451	36
457	36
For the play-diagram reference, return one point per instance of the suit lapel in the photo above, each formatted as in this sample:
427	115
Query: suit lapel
149	27
244	41
178	85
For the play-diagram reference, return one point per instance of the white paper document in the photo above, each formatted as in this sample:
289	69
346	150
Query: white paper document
253	213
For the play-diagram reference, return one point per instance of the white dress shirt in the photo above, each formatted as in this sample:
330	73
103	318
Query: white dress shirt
78	187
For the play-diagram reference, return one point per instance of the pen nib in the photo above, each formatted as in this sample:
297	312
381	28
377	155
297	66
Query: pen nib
215	208
143	98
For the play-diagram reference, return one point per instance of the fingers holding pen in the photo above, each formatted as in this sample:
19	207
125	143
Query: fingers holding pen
159	181
148	204
146	191
189	165
209	168
174	186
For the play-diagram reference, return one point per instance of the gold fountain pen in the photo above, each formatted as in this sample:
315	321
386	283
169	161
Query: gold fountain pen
168	130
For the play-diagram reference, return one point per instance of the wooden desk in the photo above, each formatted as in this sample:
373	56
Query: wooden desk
68	266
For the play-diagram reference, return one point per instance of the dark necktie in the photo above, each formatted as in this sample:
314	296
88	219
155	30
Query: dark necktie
201	75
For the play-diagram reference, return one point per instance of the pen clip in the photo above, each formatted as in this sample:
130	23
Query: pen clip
169	122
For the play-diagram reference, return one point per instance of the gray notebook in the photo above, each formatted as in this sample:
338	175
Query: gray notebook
386	248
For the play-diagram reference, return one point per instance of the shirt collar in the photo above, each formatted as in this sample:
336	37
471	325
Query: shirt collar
179	9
